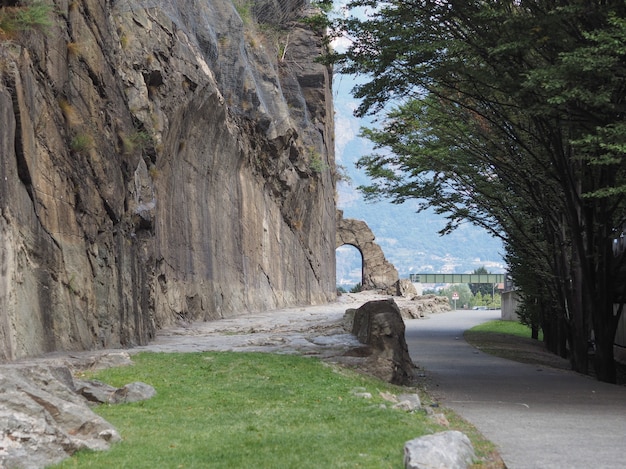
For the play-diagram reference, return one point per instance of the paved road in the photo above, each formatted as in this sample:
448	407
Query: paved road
540	418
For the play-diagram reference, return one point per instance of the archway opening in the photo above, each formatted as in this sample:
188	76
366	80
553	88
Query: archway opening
349	276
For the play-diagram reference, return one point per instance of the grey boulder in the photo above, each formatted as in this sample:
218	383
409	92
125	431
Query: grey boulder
444	450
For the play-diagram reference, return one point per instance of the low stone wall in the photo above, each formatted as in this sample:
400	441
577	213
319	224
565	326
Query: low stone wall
509	306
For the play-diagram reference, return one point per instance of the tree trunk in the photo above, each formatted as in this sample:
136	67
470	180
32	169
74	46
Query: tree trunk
579	331
579	350
605	327
604	361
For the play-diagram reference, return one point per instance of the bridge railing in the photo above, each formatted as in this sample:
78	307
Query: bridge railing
457	278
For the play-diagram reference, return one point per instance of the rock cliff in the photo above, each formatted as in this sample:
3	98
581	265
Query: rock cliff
161	161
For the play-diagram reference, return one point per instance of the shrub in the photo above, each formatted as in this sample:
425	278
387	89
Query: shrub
33	15
81	142
316	162
74	49
137	140
69	112
244	9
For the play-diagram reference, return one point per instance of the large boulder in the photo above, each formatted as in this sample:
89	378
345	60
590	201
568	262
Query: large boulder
379	325
445	450
42	419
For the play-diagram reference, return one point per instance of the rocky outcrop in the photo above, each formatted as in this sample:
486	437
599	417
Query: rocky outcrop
419	306
45	412
161	161
378	324
42	419
378	272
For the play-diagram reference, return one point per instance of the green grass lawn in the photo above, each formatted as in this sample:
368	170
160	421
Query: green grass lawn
252	410
504	327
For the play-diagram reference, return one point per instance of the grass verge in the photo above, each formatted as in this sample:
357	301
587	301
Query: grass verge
235	410
504	327
511	340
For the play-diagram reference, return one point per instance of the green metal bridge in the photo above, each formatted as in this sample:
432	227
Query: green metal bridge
457	278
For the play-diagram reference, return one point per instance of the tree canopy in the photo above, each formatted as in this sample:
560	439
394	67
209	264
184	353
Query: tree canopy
509	115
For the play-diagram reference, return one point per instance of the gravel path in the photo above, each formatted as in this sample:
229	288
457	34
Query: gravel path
311	330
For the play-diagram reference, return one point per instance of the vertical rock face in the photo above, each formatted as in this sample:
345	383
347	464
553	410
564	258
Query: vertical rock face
161	161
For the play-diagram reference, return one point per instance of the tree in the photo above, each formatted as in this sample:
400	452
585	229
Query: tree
483	288
478	300
509	115
465	295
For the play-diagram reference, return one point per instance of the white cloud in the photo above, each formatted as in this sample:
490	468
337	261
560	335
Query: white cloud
341	43
348	196
346	130
387	241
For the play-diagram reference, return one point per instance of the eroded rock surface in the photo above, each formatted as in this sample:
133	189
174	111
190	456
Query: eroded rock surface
420	306
161	162
378	324
42	419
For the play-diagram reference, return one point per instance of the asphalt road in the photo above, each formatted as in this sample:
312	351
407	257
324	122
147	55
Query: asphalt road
537	416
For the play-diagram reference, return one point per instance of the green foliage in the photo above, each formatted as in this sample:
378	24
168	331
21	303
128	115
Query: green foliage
503	327
316	162
483	288
488	301
320	21
465	295
244	9
357	288
236	410
35	14
478	300
136	141
326	6
508	115
81	142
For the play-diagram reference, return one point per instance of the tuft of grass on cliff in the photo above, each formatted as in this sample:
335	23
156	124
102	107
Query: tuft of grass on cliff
33	14
236	410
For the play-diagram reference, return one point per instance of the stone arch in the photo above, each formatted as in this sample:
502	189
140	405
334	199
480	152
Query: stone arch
349	256
378	273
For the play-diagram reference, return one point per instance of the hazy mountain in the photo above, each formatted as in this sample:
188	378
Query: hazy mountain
409	240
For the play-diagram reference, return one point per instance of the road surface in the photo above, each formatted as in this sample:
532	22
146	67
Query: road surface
540	418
